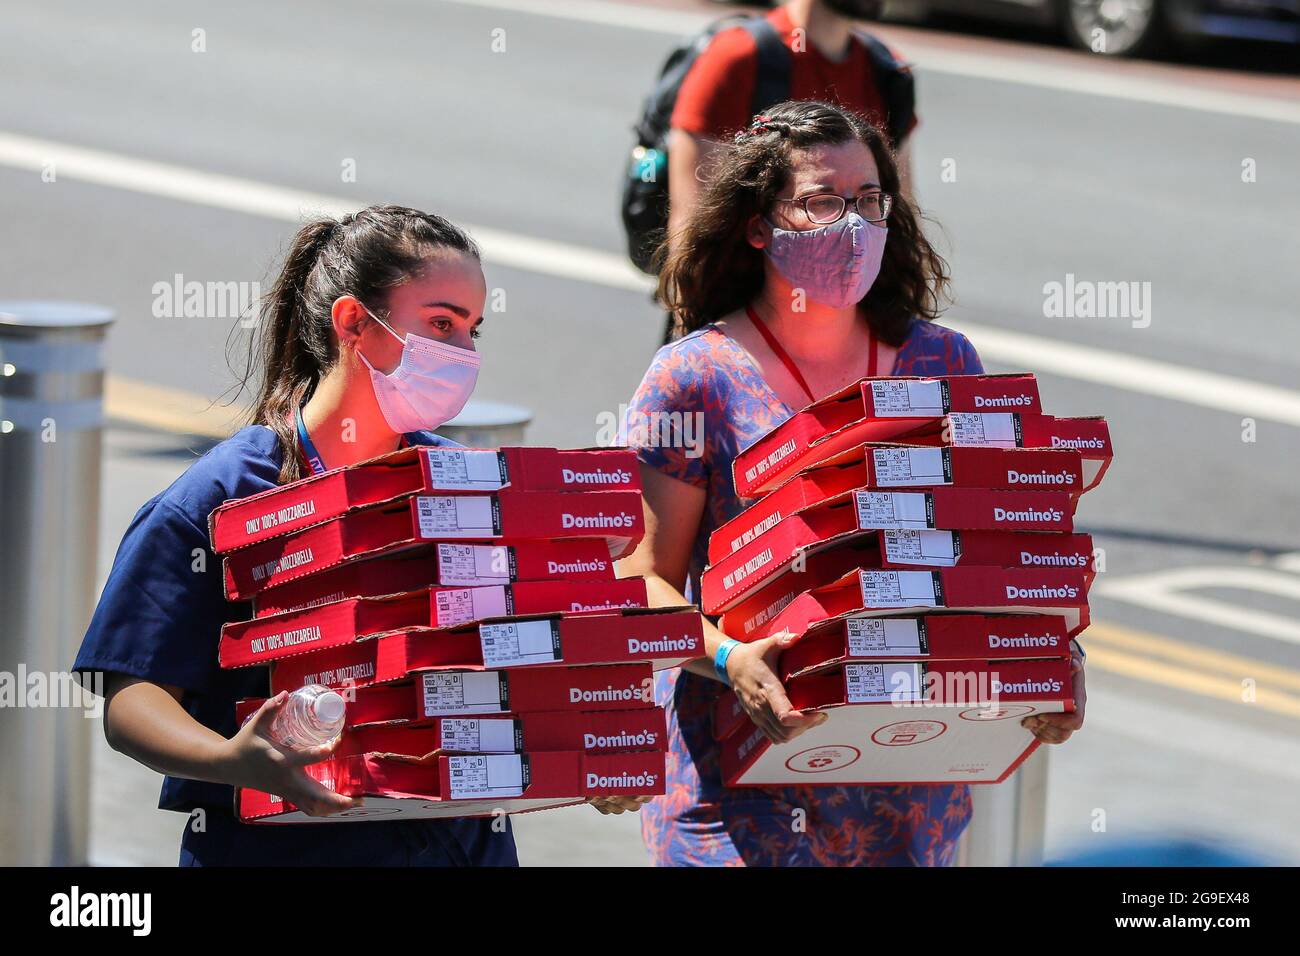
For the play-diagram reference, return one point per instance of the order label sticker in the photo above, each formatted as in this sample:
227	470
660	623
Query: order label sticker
479	735
892	398
462	468
474	564
910	466
462	693
468	516
892	509
989	429
486	775
921	547
462	605
897	589
882	636
519	643
880	683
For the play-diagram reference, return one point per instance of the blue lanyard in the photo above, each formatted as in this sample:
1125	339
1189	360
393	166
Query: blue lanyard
308	449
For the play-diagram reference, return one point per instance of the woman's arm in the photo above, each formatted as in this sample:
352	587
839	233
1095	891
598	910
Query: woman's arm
146	721
673	512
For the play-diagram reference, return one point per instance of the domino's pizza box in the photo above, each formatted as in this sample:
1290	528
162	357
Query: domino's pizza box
445	564
892	593
1089	436
613	516
889	467
465	785
416	470
264	639
944	509
663	636
931	637
431	695
895	723
873	409
588	731
817	566
790	546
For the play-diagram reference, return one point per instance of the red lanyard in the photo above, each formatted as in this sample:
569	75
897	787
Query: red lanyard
788	362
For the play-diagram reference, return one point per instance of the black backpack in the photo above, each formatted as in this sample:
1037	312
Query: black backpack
645	189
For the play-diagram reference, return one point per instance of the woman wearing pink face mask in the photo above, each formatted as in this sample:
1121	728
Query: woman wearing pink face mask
801	270
367	344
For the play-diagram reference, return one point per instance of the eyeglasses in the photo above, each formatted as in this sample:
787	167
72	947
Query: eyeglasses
826	208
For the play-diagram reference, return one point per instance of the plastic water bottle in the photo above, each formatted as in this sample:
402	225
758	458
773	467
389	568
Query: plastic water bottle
313	715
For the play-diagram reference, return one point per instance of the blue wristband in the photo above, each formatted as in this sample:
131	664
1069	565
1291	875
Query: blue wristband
720	659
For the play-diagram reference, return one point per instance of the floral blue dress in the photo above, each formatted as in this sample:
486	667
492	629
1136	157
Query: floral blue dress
707	387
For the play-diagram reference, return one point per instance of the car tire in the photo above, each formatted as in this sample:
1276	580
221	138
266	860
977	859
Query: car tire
1118	28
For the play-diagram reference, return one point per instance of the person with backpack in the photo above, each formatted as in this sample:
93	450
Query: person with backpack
801	270
737	67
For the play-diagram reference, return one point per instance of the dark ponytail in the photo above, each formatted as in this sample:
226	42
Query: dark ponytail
365	255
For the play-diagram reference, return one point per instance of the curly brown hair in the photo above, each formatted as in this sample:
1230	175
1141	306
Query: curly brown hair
712	270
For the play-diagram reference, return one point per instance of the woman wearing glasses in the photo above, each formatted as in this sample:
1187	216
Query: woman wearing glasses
801	271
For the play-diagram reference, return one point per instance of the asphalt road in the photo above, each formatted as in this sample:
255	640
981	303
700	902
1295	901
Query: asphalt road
1063	166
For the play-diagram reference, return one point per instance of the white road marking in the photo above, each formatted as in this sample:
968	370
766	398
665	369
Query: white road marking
1103	79
580	264
1168	592
1167	726
1288	562
1132	373
294	205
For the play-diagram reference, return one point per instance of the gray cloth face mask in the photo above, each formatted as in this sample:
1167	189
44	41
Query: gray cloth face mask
834	264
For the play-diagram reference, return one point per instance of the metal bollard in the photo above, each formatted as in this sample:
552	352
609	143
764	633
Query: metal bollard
51	412
1009	824
488	425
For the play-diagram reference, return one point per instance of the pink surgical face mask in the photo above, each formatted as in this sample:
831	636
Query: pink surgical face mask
834	264
430	385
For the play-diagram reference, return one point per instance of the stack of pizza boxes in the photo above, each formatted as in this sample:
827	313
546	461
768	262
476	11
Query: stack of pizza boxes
917	537
464	602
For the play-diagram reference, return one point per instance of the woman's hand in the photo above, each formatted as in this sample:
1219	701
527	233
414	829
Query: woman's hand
256	761
1058	728
617	805
751	669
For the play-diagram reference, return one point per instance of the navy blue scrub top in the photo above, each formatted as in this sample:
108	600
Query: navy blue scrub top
159	618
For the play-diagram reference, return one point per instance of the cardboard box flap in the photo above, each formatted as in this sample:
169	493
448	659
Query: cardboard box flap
869	592
969	735
892	466
613	516
425	468
586	731
913	527
277	636
827	644
458	785
448	564
879	409
665	639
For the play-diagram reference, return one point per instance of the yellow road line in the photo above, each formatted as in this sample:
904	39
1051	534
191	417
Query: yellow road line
1105	657
1216	661
168	409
